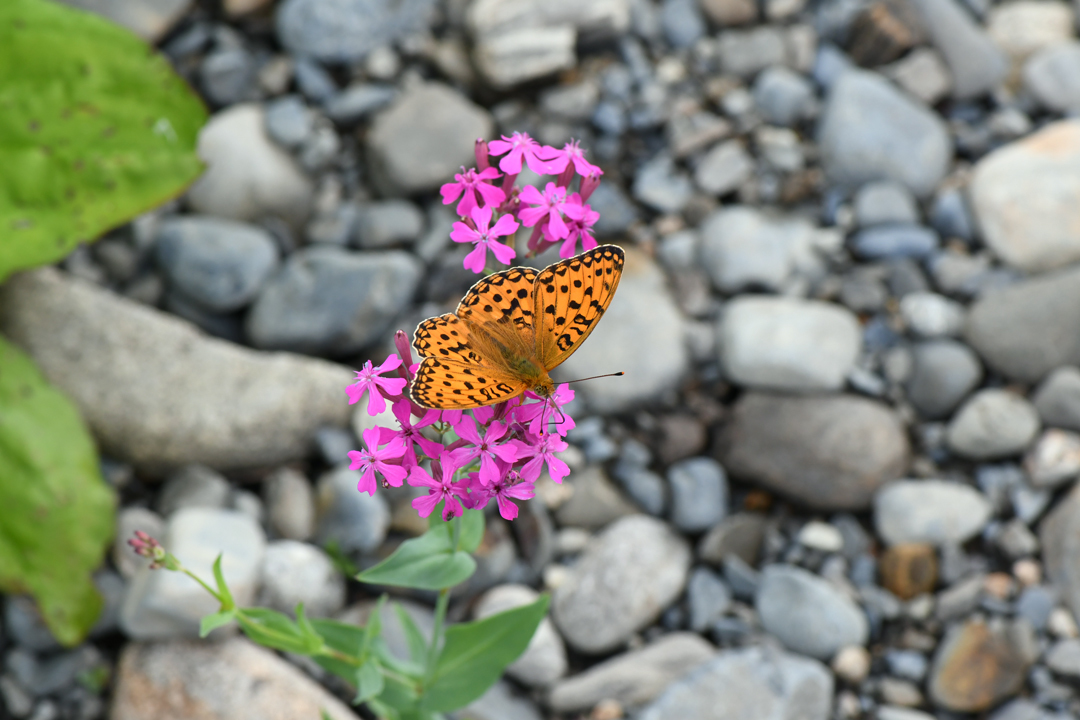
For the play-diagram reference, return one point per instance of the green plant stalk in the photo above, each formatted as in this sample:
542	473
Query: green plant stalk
441	606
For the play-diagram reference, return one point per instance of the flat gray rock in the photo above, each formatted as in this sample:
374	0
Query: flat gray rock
870	130
742	247
635	677
760	683
149	19
1059	536
158	393
413	149
699	493
234	680
1024	195
826	452
1052	75
789	344
992	424
937	512
329	300
975	63
518	56
1030	327
1057	399
295	572
633	570
643	314
247	175
807	613
354	521
943	373
345	31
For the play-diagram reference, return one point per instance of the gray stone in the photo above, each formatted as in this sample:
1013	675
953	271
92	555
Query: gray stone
632	678
290	504
193	486
128	520
829	453
357	102
807	613
951	217
642	314
247	175
975	63
1064	658
234	679
227	76
884	202
413	149
661	186
644	487
992	424
500	703
870	130
780	148
745	53
617	211
345	31
48	675
1035	605
742	247
354	521
787	344
707	598
1024	27
759	683
544	660
784	97
699	494
336	227
518	56
682	22
730	12
892	241
929	315
601	19
724	168
943	373
330	300
289	122
573	103
313	80
149	19
595	503
220	264
159	394
170	604
1052	75
923	73
1059	535
937	512
1023	197
294	572
387	223
1053	459
738	534
634	569
1057	399
1029	328
17	701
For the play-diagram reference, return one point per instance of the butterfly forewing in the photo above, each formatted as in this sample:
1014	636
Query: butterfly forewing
571	296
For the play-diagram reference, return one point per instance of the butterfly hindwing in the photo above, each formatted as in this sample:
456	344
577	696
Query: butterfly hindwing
571	296
450	385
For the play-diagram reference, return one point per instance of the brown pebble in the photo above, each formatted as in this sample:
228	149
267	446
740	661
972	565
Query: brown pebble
909	570
758	501
1027	572
999	585
607	710
977	666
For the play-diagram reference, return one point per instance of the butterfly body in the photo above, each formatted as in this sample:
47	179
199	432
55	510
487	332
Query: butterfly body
511	329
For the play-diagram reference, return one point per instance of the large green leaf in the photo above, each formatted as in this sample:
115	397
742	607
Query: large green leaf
95	128
428	562
56	512
476	653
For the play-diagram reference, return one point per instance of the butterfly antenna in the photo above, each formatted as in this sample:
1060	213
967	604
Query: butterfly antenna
617	374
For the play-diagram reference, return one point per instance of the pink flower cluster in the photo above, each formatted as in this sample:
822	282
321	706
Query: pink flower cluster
556	215
475	456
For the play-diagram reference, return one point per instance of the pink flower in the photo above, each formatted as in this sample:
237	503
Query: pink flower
510	486
438	490
409	433
581	219
372	460
486	448
549	205
520	146
367	379
452	417
485	238
471	182
538	415
545	453
571	153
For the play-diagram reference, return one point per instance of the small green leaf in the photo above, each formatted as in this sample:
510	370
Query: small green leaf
373	627
413	637
472	527
213	622
345	639
274	630
428	562
369	681
224	596
476	653
323	715
57	515
95	128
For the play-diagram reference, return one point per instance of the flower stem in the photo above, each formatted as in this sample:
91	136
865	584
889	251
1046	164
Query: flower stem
441	606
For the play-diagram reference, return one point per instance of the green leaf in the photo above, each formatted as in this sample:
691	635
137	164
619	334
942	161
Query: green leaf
344	638
95	128
274	630
213	622
413	637
224	596
472	527
476	653
428	562
58	515
369	681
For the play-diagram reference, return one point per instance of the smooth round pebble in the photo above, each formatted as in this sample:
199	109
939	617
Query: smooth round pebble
851	664
943	373
822	536
936	512
295	572
992	424
699	493
355	521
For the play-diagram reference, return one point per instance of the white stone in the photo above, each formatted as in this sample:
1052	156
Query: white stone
742	247
1054	459
930	315
517	56
294	572
937	512
1023	27
544	660
993	423
822	536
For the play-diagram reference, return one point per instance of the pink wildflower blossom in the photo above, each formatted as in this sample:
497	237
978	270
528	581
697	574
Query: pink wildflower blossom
372	460
509	487
472	183
581	218
409	433
538	415
485	238
486	448
549	206
438	490
571	153
545	453
520	147
367	379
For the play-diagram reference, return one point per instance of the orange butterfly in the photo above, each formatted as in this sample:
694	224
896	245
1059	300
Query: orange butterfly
511	329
